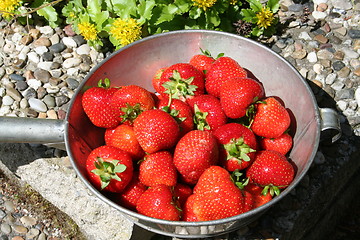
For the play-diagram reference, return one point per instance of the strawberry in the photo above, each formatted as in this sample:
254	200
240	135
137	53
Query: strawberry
271	119
158	168
188	210
96	102
237	94
259	197
281	144
195	152
123	137
181	81
182	192
158	202
208	114
216	196
108	133
271	170
109	168
238	146
223	69
131	194
202	61
181	111
156	130
129	101
156	79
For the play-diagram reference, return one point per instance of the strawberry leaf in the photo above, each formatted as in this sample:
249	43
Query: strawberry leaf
130	112
238	149
179	87
108	171
200	119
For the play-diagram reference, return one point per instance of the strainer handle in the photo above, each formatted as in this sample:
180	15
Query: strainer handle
330	124
31	130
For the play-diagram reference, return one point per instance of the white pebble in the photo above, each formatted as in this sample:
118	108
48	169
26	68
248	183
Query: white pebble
311	57
357	96
342	105
2	92
5	110
45	65
337	86
37	105
72	71
16	37
24	103
330	78
318	68
47	30
34	83
34	57
41	50
319	15
83	49
69	42
7	100
305	36
71	62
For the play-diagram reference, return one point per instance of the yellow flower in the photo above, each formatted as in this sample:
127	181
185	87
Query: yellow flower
233	2
204	4
7	7
265	17
88	31
125	31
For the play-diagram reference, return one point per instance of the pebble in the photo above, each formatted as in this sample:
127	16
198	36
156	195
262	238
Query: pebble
37	105
69	42
57	48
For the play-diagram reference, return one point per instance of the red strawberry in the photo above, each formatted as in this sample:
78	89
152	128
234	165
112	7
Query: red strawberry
123	137
158	168
208	114
158	202
237	94
108	133
281	144
109	168
188	211
182	192
202	61
272	170
216	195
129	101
96	102
131	194
195	152
181	111
238	146
259	197
248	200
180	81
156	79
223	69
271	119
156	130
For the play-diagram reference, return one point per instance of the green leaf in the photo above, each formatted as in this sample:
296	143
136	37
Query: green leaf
257	31
145	8
168	13
195	13
93	7
212	17
182	5
125	8
248	15
49	13
273	5
255	5
100	19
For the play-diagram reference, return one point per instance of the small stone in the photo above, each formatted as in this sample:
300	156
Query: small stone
5	228
20	229
354	33
57	48
9	47
28	221
17	238
342	31
28	75
337	65
26	40
54	39
19	63
344	72
42	41
342	4
69	31
317	15
69	42
61	114
48	56
33	233
45	65
311	57
7	101
41	92
337	85
305	36
345	94
16	77
342	105
72	83
29	93
339	55
356	45
79	39
350	53
12	92
37	105
318	83
330	78
49	101
24	103
324	54
46	30
42	75
40	50
35	33
321	38
42	115
322	7
83	49
300	54
84	67
34	57
52	114
71	62
42	236
2	213
61	100
357	72
34	83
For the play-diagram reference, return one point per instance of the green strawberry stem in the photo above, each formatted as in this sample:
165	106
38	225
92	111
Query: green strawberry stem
108	171
200	119
273	190
104	83
238	149
179	87
238	178
130	112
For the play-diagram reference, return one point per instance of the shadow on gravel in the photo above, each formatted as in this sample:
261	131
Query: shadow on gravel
13	155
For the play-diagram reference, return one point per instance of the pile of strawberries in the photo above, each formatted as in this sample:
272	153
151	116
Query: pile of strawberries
207	144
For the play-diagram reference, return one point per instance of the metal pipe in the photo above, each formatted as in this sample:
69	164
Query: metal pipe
31	130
